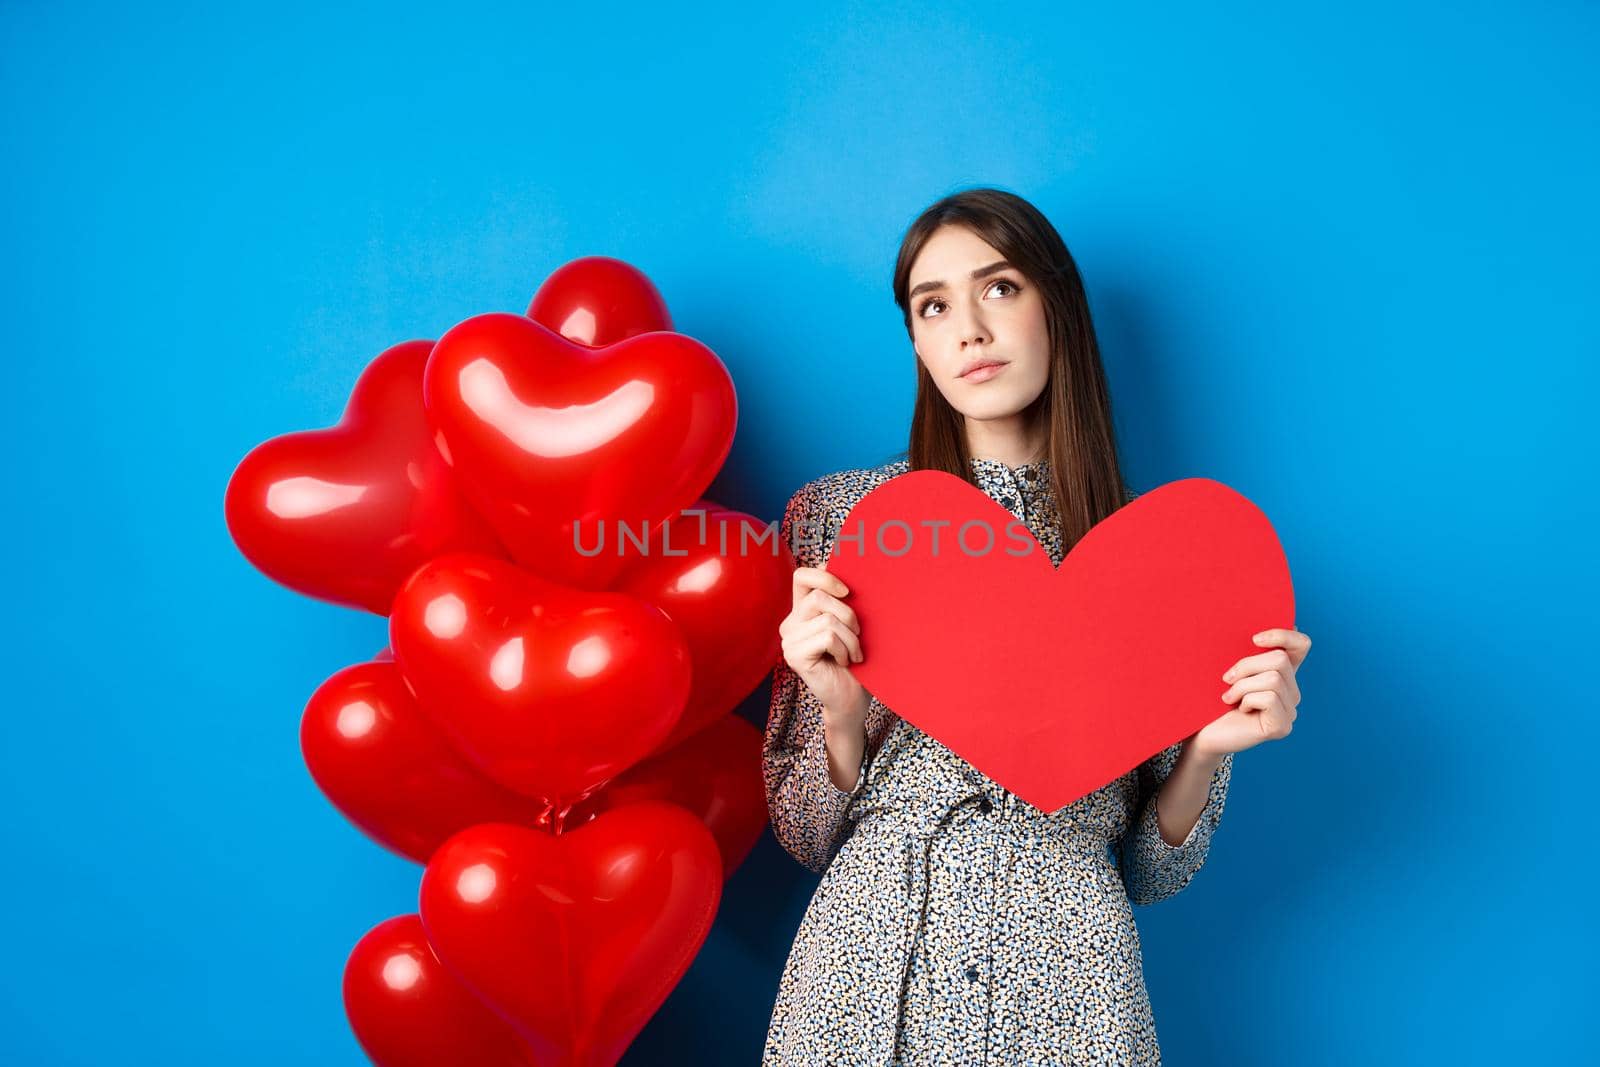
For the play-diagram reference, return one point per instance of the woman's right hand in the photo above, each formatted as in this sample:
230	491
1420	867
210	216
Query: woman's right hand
821	637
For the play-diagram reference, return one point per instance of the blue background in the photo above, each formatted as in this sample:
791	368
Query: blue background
1343	260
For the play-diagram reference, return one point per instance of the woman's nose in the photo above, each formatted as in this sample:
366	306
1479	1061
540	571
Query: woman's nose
972	329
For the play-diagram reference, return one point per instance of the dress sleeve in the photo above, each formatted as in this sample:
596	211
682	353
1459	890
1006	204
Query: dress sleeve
807	809
1153	870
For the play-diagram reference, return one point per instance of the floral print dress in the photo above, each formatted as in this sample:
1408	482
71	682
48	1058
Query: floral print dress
955	923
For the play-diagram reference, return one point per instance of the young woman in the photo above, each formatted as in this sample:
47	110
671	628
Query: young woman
955	923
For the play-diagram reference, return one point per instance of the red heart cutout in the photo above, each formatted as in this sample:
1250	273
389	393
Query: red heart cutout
389	769
408	1010
715	774
548	690
1054	682
724	577
576	939
347	513
554	440
598	301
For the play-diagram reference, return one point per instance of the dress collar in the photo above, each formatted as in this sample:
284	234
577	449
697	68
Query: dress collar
1034	475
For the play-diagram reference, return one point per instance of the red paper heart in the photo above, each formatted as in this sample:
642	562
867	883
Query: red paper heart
346	513
408	1010
576	939
1056	682
548	690
550	437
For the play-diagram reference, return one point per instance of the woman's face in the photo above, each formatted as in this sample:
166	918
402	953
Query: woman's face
969	308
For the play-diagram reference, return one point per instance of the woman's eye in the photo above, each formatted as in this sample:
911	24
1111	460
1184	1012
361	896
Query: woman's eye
1011	286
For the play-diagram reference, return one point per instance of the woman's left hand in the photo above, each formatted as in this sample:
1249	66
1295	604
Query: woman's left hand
1267	685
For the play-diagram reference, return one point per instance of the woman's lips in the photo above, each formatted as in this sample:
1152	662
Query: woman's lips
983	373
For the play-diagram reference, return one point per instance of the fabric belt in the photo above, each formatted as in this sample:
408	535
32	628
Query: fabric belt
925	826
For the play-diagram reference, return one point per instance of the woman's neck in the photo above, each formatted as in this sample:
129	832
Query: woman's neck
1004	440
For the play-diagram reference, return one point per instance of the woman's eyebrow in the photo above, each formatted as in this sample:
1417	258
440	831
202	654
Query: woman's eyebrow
975	275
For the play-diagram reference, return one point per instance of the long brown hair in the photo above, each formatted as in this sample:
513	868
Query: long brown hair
1075	405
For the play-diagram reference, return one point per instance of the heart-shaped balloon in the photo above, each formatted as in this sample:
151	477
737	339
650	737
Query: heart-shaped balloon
715	774
576	939
408	1010
389	770
548	690
724	577
1054	682
557	443
598	301
345	514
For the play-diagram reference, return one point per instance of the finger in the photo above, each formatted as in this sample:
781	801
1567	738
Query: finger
1275	660
1283	684
809	578
850	639
851	643
1295	643
825	642
819	600
1274	720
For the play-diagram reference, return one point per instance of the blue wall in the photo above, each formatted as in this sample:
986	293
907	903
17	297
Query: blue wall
1343	261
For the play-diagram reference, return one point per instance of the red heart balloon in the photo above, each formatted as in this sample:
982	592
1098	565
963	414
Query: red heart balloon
715	774
555	441
407	1010
598	300
577	939
548	690
1054	682
389	770
724	577
346	513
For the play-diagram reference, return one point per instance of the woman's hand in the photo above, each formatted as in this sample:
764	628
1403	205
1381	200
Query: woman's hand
821	637
1269	694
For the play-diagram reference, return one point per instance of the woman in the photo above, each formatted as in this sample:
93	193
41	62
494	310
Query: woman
955	922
